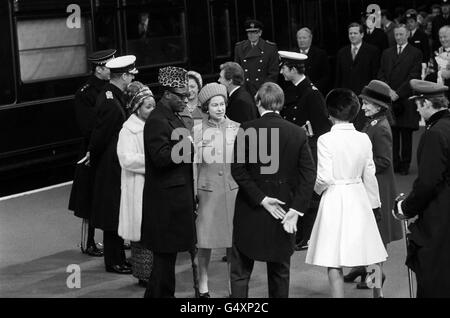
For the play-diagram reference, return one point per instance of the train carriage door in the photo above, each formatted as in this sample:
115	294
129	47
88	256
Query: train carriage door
7	78
106	28
264	13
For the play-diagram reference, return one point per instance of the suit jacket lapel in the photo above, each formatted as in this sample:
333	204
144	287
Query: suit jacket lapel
402	56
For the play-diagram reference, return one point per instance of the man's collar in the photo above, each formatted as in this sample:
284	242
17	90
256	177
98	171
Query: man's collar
300	80
269	111
358	46
233	90
305	51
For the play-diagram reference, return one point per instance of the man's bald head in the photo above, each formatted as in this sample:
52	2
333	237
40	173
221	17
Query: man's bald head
304	38
444	36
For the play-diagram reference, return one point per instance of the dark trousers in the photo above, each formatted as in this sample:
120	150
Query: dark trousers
402	148
114	252
305	225
162	279
241	270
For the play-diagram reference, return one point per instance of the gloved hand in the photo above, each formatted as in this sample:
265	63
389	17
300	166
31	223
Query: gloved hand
290	221
396	211
272	206
377	214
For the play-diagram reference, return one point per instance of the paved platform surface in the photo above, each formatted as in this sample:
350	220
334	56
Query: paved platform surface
39	239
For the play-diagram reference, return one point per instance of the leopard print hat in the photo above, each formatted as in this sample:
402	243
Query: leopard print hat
175	77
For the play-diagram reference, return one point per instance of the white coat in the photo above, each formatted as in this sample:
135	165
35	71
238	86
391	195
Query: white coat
345	232
130	150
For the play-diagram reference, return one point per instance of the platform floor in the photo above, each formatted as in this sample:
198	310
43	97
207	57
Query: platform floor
39	239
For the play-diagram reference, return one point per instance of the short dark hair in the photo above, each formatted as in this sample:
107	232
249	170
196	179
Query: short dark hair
271	96
299	66
343	104
233	71
356	24
437	102
386	13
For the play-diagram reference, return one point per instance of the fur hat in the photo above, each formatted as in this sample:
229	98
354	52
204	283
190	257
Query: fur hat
136	93
377	92
175	77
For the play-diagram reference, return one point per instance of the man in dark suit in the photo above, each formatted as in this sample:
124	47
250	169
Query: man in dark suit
418	38
241	105
388	27
258	57
429	199
438	22
399	65
304	106
356	65
168	223
102	154
317	66
271	194
377	38
81	194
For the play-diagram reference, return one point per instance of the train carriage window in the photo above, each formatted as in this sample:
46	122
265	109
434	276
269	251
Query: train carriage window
221	23
7	91
49	49
156	36
105	29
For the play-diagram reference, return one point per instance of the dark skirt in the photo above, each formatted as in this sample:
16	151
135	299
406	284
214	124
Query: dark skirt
141	261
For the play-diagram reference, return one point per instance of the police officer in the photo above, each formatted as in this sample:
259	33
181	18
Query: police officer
85	99
305	106
429	238
258	57
102	156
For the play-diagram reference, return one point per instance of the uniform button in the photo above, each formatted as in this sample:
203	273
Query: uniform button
260	61
257	79
248	80
295	107
220	173
246	70
245	61
259	70
294	119
262	52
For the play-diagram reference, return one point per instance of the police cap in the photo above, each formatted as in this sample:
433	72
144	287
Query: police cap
123	64
287	57
101	57
253	25
412	16
424	89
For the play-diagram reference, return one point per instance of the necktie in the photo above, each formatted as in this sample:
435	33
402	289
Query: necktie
354	51
399	50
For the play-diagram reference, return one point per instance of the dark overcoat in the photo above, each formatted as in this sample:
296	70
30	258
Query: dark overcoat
420	41
103	149
318	68
260	63
168	223
81	194
397	71
305	103
355	74
377	38
379	132
429	200
241	106
256	233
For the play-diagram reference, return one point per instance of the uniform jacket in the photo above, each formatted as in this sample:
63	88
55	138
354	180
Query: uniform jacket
420	41
85	99
216	187
318	68
397	71
356	74
168	198
103	149
256	233
379	132
377	38
241	106
429	199
130	150
260	63
305	103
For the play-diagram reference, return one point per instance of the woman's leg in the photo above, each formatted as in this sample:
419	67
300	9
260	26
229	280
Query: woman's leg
204	256
229	270
336	279
378	274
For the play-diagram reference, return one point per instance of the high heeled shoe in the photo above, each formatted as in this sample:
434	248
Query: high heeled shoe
204	295
355	273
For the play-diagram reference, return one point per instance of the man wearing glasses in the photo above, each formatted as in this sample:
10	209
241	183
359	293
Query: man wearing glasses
168	224
258	57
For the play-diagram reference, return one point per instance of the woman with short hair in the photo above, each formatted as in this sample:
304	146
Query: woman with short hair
345	232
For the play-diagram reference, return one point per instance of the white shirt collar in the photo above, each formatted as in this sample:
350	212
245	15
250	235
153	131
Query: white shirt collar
269	111
403	46
305	51
234	89
413	32
300	80
358	46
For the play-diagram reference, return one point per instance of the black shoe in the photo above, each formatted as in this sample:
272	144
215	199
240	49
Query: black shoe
127	246
224	259
93	251
355	273
142	283
118	269
204	295
128	263
302	245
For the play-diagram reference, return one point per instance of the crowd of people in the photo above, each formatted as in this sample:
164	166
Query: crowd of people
262	169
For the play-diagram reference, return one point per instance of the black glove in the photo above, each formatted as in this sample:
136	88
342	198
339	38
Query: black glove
377	214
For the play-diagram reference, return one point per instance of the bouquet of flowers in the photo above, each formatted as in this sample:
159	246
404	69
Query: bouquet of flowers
442	59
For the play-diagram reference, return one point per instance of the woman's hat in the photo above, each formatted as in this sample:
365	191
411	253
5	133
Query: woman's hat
210	90
137	93
197	76
377	92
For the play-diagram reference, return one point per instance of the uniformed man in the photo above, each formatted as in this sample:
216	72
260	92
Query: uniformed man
305	106
258	57
102	156
85	99
429	238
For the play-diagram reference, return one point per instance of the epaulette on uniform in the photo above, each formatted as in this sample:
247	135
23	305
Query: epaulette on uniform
239	43
271	43
313	87
109	95
84	88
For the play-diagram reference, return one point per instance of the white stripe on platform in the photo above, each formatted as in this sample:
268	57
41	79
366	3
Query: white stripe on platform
35	191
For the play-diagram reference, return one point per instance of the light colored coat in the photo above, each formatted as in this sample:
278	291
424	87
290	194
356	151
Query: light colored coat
216	188
345	232
130	150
